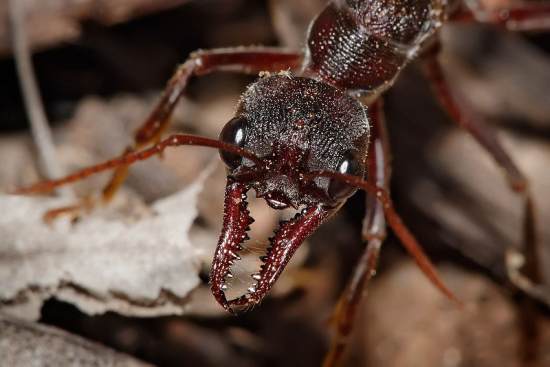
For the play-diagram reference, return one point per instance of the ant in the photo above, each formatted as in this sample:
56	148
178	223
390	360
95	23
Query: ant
310	132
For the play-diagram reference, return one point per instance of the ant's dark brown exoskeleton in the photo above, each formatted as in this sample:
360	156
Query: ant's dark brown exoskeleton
302	136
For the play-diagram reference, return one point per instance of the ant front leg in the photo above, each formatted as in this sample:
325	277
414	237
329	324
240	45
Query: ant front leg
247	60
243	60
374	234
486	136
526	16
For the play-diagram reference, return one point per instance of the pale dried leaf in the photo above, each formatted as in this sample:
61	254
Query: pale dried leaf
144	266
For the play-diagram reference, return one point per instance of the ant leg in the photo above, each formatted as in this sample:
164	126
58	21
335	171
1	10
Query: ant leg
129	158
249	60
399	228
528	16
487	137
374	233
244	60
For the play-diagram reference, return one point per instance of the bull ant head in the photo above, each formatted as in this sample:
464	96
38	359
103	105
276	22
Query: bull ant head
294	126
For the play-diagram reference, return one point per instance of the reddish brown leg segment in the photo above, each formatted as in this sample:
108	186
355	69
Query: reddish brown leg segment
132	157
486	136
374	233
530	16
488	139
396	223
248	60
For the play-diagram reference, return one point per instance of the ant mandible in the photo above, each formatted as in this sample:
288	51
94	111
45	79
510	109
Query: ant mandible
302	137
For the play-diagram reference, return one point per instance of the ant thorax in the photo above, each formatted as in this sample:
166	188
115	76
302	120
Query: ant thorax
362	45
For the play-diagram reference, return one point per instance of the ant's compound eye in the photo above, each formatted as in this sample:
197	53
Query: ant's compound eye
234	132
349	165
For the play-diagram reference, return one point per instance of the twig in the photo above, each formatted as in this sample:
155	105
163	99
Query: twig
514	262
42	136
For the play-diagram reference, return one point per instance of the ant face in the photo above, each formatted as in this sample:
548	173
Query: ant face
295	126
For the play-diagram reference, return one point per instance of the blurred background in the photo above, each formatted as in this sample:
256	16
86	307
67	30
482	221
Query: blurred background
101	65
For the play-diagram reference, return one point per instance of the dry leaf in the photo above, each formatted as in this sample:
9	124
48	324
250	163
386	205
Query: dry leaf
145	266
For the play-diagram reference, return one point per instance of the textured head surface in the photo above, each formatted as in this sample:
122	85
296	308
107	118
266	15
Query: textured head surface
301	125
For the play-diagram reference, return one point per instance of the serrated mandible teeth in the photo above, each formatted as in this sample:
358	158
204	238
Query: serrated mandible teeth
256	276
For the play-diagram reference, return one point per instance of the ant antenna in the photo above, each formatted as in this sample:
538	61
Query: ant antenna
134	156
396	223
